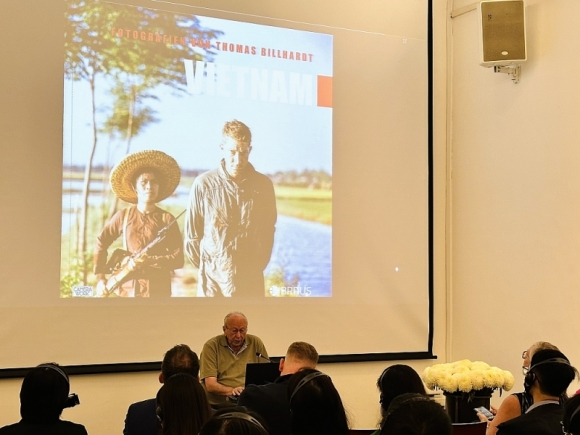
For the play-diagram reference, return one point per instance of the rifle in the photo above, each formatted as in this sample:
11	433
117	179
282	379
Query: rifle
119	261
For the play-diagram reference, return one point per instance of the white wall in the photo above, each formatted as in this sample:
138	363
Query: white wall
515	191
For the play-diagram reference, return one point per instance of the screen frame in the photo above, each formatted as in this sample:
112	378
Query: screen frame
335	358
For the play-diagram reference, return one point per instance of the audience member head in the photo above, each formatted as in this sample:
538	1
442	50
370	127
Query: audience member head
415	414
298	356
571	418
550	373
315	405
182	405
527	354
179	359
234	421
396	380
44	393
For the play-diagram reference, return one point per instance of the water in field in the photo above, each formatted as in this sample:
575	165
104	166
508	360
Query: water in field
302	249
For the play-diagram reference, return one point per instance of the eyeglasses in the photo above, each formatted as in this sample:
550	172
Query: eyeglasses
525	369
237	331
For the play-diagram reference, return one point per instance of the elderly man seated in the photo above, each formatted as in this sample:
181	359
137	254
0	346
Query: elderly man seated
224	358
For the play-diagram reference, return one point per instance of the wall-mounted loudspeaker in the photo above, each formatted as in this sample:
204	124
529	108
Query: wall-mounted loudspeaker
502	32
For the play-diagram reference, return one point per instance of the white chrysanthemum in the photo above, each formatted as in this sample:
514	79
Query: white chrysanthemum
433	376
464	382
508	380
479	365
477	380
497	374
466	376
488	379
463	363
429	378
448	383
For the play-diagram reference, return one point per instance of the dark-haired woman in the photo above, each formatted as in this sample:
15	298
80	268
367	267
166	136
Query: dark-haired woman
315	405
396	380
182	405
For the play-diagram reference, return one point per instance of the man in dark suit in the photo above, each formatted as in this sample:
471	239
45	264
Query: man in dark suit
548	378
271	400
141	416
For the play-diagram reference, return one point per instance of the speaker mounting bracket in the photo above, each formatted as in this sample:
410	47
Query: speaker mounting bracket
513	70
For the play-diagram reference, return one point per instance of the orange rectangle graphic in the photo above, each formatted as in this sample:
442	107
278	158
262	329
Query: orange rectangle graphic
324	91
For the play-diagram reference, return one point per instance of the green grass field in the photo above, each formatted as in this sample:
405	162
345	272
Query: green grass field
309	204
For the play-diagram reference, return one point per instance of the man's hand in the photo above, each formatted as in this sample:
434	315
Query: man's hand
213	386
237	391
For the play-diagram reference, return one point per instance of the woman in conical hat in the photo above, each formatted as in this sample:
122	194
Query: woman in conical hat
143	179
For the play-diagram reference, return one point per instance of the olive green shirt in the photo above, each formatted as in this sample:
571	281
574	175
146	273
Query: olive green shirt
218	360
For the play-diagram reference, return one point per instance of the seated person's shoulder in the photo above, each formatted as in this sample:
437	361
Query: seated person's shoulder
59	428
254	340
509	408
212	342
141	418
210	350
520	424
138	410
8	429
512	405
148	403
249	392
507	426
73	428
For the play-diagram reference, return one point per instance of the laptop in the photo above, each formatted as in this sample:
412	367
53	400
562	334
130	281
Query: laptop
261	373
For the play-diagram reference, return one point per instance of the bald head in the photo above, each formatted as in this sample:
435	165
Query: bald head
235	315
235	329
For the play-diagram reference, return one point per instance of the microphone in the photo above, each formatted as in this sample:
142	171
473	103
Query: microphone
259	355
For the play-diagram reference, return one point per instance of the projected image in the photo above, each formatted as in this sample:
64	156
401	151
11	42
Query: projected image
197	156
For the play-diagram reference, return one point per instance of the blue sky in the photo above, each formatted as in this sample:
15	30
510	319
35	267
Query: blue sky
285	136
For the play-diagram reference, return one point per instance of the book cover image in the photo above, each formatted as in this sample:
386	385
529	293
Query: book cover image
151	91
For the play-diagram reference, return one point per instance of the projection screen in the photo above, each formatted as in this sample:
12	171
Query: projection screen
336	97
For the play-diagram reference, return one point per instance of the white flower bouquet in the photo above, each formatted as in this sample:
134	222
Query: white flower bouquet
466	377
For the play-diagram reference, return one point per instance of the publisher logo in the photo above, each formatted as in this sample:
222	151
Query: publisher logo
82	291
297	291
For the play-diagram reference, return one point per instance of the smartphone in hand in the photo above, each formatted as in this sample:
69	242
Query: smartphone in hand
485	412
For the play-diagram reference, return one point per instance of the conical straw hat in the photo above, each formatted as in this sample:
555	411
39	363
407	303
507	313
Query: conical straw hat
123	175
